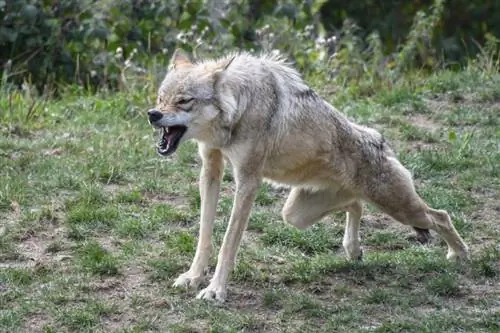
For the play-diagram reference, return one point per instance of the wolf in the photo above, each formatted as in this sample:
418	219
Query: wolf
256	113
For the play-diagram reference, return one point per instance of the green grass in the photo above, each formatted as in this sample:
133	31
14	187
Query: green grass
95	226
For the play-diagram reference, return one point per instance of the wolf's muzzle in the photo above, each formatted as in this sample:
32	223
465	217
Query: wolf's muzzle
154	115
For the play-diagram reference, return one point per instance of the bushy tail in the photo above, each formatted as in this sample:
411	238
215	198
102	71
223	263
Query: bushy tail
423	235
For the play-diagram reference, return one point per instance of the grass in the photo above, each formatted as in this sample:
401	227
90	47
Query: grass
95	226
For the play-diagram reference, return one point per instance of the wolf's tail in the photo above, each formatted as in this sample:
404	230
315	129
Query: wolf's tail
423	235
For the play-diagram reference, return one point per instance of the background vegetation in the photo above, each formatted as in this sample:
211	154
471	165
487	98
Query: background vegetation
94	226
96	44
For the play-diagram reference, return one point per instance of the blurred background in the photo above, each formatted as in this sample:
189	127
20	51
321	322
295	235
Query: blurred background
115	44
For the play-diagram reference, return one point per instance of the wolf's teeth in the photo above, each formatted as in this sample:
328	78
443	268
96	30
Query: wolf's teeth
166	129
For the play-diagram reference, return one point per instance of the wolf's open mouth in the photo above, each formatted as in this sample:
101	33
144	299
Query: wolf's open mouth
169	139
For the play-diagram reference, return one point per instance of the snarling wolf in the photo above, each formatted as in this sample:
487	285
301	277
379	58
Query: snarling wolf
257	114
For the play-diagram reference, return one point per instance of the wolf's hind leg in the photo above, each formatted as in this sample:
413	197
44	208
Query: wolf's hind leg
304	207
397	197
419	214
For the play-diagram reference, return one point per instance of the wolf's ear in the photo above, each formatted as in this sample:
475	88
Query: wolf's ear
180	59
219	71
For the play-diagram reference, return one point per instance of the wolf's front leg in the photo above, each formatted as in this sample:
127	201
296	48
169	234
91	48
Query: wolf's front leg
210	178
246	188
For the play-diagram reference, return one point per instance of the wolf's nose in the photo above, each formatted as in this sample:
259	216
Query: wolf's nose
154	115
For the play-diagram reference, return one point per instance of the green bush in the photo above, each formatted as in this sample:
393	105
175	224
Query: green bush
110	44
94	42
463	26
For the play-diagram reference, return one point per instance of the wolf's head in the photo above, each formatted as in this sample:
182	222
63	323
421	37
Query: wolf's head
186	105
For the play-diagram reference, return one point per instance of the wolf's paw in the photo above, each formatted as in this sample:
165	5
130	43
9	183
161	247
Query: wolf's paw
213	293
355	256
188	280
462	255
353	251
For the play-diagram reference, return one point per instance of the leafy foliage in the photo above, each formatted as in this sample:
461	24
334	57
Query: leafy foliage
126	44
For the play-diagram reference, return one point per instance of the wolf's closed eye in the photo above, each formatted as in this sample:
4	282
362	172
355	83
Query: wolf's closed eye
184	101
